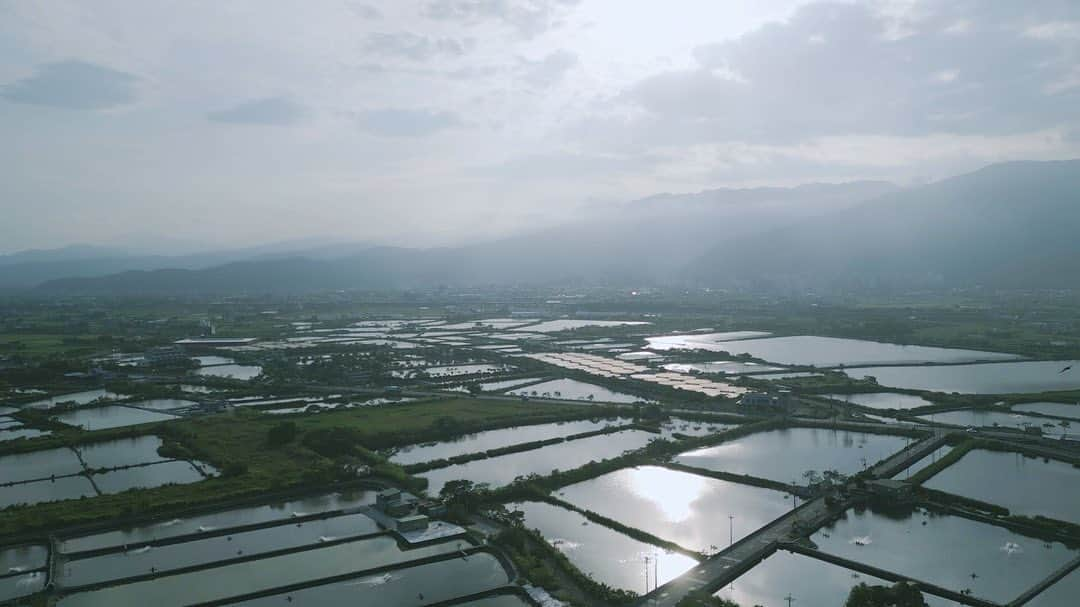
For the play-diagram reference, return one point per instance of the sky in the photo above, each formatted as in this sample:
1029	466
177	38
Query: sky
173	124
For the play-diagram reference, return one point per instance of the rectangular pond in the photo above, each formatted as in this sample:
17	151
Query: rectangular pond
121	452
39	464
955	553
145	477
729	367
998	378
167	404
65	488
419	585
807	580
883	400
601	553
553	326
1061	594
111	416
1025	485
687	509
502	470
277	511
17	586
784	455
76	398
1071	411
572	389
981	417
231	371
493	439
146	559
236	579
27	433
17	559
711	342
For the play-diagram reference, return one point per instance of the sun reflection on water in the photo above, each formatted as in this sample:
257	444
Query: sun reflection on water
672	492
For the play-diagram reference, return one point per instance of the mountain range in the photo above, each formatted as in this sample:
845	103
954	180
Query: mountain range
1009	225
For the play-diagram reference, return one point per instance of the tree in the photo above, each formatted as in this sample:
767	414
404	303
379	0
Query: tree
899	595
281	434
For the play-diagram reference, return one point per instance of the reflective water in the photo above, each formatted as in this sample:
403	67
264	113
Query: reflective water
166	404
38	464
23	558
78	398
953	552
552	326
1024	485
1059	409
687	509
497	601
502	470
142	561
572	389
883	400
253	576
27	433
1000	378
807	580
68	487
121	452
231	371
495	386
833	352
492	439
686	427
602	553
154	475
784	455
219	520
455	370
21	585
113	416
722	366
209	361
981	417
420	585
712	342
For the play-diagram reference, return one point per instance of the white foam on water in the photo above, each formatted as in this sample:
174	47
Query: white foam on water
175	521
563	544
1011	548
377	580
861	541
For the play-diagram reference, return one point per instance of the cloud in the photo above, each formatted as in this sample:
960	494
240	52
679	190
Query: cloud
268	111
366	11
412	46
838	69
529	17
74	85
392	122
549	70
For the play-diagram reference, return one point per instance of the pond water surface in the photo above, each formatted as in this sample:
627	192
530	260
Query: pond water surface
112	416
492	439
1058	409
712	342
1061	594
784	455
122	452
143	477
78	398
23	558
1025	485
981	417
572	389
684	508
602	553
231	371
21	585
39	464
998	378
731	367
953	552
502	470
68	487
883	400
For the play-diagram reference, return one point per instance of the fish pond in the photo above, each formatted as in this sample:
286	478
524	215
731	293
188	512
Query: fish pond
572	389
883	400
803	449
1058	409
998	378
678	506
244	372
111	416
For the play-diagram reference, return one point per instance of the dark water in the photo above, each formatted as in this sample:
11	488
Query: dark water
78	398
38	464
27	433
945	551
883	400
979	418
1024	485
141	561
496	601
502	470
802	449
219	520
21	585
1059	409
602	553
166	404
22	558
123	452
154	475
253	576
68	487
482	441
231	371
807	580
1000	378
113	416
420	585
687	509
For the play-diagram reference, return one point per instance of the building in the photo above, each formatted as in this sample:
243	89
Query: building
214	342
415	522
889	488
165	356
396	502
781	401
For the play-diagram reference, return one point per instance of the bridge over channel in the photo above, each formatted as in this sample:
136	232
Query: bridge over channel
724	567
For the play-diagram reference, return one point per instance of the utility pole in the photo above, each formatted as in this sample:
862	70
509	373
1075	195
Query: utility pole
790	599
656	571
731	530
646	574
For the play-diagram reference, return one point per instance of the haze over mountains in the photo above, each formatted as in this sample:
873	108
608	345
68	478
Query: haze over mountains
1007	225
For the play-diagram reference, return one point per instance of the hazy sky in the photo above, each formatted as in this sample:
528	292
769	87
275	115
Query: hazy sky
430	121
